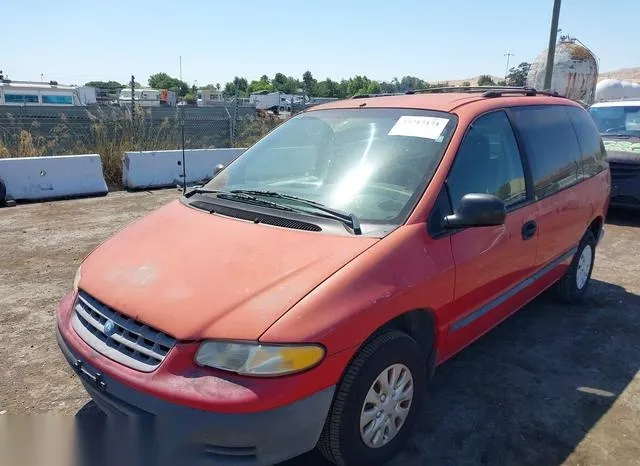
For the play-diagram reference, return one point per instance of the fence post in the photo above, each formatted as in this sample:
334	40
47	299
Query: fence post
133	96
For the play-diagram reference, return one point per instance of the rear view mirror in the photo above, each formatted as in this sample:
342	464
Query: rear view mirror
477	210
217	169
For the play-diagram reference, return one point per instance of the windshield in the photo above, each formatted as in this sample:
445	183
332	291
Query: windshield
373	163
617	120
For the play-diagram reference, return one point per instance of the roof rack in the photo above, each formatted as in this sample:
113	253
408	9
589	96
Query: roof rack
486	91
366	96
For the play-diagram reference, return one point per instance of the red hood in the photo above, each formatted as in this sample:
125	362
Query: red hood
195	275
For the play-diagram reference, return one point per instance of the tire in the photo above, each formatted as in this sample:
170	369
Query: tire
341	441
568	288
3	192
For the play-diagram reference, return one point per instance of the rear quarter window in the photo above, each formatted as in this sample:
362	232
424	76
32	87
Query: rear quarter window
594	155
551	145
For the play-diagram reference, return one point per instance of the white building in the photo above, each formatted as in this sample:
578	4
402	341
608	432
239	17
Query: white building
209	97
147	97
27	93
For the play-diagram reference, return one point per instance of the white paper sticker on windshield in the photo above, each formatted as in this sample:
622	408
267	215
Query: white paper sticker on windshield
419	127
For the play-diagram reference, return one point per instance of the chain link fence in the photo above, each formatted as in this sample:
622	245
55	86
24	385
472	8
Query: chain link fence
111	131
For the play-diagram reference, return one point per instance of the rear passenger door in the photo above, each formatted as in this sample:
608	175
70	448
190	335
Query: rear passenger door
490	261
554	154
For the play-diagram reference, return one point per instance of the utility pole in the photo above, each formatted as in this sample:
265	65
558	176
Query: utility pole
133	96
506	71
180	67
552	45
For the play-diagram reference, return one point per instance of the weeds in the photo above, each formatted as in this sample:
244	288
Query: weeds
111	134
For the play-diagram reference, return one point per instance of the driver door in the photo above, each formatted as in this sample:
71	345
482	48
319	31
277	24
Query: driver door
491	262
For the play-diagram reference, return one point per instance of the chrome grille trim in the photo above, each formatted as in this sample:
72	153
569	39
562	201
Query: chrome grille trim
132	343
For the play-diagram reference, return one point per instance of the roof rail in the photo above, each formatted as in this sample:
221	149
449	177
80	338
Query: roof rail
492	91
486	91
366	96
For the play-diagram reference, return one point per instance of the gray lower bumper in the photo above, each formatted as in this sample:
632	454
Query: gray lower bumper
143	430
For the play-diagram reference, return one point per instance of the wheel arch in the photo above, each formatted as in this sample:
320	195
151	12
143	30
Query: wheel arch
419	324
596	227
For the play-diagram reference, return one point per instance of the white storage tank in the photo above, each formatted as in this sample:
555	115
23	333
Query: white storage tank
614	89
575	71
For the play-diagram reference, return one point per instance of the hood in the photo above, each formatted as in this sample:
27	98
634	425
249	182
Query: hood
195	275
622	150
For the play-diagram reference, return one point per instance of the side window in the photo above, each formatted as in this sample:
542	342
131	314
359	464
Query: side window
551	145
594	156
488	161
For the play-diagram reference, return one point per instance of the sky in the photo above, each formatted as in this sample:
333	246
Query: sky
78	41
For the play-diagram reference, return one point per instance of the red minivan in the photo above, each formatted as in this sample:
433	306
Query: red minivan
304	296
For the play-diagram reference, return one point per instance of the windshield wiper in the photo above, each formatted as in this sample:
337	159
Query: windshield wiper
349	219
616	135
240	197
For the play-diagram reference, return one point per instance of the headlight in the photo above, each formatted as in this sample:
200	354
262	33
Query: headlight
248	358
76	280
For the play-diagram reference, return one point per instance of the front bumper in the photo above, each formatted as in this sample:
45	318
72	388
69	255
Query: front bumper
143	430
625	185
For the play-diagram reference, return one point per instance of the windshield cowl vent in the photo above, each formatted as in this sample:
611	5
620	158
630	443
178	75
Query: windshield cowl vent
256	217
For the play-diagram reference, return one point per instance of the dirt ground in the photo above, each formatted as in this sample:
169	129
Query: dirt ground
552	385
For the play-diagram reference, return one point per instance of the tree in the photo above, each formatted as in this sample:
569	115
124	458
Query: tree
279	82
238	85
485	80
110	85
286	84
466	84
164	81
388	87
328	88
264	84
411	83
309	84
518	75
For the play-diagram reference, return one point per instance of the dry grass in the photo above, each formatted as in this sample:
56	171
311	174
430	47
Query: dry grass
249	131
112	137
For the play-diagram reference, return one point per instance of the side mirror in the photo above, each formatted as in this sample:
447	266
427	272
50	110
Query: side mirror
477	210
217	169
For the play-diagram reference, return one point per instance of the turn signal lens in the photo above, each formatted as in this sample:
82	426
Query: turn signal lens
257	359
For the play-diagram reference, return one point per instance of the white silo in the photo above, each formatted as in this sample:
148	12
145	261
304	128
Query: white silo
575	71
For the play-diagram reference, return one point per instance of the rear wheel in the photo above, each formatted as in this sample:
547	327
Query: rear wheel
573	286
376	403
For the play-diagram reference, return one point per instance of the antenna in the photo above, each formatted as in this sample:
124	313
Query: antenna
184	165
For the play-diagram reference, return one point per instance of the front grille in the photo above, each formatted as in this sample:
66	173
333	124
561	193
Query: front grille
624	171
119	337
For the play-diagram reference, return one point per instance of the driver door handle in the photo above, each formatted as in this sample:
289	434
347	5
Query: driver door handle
529	229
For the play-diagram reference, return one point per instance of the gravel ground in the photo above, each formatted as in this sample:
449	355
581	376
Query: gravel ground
551	385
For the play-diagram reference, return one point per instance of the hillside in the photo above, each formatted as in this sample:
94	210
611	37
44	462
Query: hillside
458	82
625	74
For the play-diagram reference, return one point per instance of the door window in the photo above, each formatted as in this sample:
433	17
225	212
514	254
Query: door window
594	156
551	145
488	162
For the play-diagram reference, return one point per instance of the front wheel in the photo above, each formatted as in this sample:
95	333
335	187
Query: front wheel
376	403
573	285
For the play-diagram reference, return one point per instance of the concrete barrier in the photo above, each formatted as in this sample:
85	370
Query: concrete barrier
163	168
36	178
